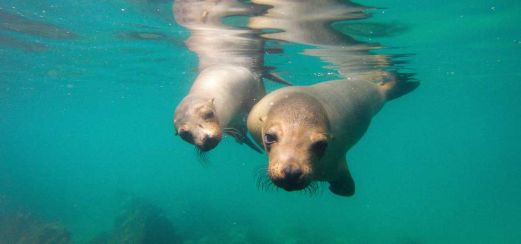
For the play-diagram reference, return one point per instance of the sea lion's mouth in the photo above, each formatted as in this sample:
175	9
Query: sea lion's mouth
294	187
206	147
290	184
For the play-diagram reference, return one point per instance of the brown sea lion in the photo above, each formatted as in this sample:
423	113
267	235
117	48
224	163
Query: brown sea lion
307	130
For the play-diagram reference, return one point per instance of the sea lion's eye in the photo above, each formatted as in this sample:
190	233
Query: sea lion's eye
319	147
208	114
269	138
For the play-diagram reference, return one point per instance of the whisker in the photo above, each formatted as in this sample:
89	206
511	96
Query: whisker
313	189
202	157
264	182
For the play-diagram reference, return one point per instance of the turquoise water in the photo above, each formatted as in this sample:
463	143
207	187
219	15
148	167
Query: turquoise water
88	89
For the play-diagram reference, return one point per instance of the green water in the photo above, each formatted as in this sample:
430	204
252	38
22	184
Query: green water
85	125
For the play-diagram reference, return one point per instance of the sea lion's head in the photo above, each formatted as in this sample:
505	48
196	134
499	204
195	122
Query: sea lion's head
196	121
295	136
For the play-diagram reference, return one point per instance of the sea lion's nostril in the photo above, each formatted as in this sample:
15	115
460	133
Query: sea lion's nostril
292	178
292	174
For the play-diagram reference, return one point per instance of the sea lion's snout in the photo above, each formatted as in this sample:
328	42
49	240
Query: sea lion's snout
208	142
291	178
202	139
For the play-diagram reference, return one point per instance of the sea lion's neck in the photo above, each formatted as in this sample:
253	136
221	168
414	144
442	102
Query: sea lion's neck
232	90
363	96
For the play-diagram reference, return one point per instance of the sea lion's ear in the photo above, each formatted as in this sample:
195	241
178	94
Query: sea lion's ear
262	119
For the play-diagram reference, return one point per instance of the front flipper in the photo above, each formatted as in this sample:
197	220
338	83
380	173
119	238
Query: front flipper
276	78
343	185
242	138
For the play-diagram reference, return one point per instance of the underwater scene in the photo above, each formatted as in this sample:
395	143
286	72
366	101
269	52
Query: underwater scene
263	121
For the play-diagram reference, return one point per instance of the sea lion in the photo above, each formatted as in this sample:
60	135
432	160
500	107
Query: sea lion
218	102
230	74
307	130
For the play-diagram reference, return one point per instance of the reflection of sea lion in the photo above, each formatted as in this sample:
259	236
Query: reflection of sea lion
310	22
307	21
308	130
230	73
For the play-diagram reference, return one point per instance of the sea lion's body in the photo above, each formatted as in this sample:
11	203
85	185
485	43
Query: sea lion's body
291	122
349	107
230	69
234	89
